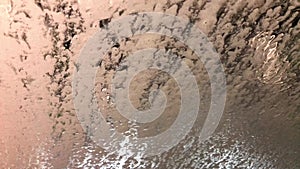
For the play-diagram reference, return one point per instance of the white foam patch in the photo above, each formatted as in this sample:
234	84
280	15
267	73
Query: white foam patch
215	153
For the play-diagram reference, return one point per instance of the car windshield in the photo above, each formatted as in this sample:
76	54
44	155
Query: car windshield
160	84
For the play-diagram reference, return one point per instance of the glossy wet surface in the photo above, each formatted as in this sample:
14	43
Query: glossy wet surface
258	43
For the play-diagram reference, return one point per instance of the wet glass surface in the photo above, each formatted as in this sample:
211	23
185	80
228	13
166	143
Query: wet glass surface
259	47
